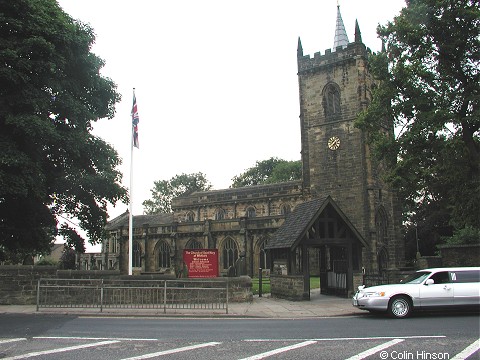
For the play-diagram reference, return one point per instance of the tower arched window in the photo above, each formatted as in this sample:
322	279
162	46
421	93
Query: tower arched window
251	213
381	225
137	255
331	101
229	253
382	259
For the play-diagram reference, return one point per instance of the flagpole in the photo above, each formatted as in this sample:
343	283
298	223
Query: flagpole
130	212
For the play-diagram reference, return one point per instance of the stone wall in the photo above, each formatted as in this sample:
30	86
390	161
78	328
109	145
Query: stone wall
357	281
460	255
240	289
451	256
426	262
391	276
290	287
18	284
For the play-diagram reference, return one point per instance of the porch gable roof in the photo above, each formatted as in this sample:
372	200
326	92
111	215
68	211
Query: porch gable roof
301	219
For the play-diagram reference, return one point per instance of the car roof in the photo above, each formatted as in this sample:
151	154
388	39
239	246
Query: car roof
452	269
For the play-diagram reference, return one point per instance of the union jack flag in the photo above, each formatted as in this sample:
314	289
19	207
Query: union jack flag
135	121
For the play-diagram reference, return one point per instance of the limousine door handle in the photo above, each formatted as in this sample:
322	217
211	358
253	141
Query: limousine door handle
446	287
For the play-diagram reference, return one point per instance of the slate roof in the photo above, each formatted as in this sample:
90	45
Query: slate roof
140	220
296	223
301	219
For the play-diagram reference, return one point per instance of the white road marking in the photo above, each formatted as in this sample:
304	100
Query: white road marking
375	349
469	350
279	350
354	338
172	351
5	341
54	351
90	338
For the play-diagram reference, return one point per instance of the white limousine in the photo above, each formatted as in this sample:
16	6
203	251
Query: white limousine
425	289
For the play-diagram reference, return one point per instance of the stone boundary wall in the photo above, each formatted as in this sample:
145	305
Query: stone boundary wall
290	287
18	283
357	281
426	262
393	277
460	255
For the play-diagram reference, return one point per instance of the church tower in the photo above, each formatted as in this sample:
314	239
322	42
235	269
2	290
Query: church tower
333	89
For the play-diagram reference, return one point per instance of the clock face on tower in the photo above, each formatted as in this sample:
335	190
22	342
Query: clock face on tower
333	143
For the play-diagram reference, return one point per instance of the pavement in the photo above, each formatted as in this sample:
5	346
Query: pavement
260	307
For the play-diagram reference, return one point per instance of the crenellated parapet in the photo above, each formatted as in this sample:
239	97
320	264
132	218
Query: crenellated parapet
353	50
238	194
233	203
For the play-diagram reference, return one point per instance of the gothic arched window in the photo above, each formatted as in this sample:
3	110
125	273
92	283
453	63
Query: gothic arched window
164	255
381	226
251	213
194	244
137	255
220	214
113	243
229	253
285	209
331	100
382	259
190	216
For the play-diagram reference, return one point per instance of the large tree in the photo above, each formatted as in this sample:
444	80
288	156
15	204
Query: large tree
164	191
51	164
269	171
429	85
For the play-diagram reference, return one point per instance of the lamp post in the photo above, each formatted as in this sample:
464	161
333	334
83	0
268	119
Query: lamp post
416	239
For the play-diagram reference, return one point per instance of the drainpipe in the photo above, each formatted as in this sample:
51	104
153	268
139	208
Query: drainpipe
251	256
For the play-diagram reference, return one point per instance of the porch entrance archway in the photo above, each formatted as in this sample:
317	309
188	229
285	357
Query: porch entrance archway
321	226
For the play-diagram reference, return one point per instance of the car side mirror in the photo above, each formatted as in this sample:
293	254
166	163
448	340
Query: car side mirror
429	282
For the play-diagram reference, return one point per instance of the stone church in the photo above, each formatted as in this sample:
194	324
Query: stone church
338	220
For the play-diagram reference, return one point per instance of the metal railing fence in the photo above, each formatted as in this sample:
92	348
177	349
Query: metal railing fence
134	294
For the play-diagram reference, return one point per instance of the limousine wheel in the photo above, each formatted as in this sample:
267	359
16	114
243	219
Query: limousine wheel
400	307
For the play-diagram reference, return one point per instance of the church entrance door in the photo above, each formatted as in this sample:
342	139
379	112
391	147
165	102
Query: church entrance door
334	270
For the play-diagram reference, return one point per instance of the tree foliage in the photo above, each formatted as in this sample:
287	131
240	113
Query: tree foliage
68	259
466	236
269	171
164	191
429	85
50	162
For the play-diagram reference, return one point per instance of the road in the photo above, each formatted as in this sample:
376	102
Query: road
424	336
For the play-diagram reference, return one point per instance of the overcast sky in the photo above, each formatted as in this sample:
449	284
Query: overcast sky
216	80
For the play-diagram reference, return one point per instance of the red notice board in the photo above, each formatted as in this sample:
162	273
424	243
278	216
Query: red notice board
201	263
